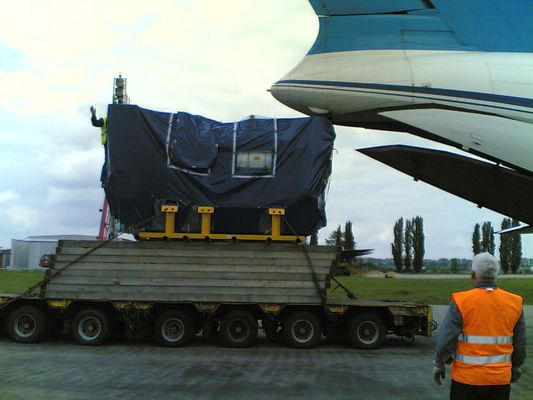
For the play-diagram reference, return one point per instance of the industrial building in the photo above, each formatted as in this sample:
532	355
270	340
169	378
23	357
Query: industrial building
5	255
26	253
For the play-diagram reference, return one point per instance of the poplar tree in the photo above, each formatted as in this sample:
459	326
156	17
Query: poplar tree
418	243
349	240
505	246
516	249
314	238
397	245
487	239
408	245
476	240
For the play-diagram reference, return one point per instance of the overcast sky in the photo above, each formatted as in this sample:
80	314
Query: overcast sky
207	57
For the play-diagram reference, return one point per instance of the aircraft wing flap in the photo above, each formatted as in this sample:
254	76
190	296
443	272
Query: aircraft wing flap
498	188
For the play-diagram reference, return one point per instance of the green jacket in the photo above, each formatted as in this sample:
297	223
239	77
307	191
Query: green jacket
103	131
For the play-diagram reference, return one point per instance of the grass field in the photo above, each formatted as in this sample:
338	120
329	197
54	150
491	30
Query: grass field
18	281
429	291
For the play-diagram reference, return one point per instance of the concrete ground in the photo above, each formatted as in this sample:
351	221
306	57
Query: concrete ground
123	370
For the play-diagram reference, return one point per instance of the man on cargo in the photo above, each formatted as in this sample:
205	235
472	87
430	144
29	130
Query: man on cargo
102	124
99	123
483	336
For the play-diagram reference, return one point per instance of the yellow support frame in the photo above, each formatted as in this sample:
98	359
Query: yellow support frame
205	233
59	304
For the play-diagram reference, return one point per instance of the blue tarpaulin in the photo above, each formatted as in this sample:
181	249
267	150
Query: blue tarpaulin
241	168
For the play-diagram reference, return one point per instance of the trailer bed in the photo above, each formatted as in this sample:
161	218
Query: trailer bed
206	287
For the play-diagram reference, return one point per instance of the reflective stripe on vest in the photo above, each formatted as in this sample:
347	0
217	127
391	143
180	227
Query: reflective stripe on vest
483	360
486	339
484	349
103	132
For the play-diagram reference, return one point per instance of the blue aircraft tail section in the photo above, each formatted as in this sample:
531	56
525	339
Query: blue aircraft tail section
461	25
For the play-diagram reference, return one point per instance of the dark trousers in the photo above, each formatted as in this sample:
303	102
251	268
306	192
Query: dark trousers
462	391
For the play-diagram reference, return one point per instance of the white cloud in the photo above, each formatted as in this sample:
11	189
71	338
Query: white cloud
7	196
74	170
22	217
203	56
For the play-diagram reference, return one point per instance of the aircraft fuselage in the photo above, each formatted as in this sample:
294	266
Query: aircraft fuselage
481	102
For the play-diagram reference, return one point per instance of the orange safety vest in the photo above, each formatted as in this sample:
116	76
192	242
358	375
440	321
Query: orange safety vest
484	348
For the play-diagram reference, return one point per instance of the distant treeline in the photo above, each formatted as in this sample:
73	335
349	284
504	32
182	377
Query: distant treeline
463	264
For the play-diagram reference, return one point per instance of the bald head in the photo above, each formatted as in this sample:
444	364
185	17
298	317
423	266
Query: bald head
485	268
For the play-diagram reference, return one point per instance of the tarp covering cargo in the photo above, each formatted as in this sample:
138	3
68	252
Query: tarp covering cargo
242	168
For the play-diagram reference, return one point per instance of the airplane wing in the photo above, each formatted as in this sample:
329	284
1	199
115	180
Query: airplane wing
522	230
345	254
487	185
468	25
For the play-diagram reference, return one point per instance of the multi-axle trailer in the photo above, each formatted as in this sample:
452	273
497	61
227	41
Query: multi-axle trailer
176	290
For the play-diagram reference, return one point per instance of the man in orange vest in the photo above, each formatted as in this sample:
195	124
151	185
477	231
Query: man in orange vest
483	336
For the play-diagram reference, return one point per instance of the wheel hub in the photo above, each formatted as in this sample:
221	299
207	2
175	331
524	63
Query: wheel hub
303	330
238	330
173	330
25	326
89	328
368	332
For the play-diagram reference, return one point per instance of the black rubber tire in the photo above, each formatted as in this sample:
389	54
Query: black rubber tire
238	329
90	327
174	328
26	324
302	330
367	331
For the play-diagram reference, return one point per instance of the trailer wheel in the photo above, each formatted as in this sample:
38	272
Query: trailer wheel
367	331
27	324
173	328
302	330
238	329
90	327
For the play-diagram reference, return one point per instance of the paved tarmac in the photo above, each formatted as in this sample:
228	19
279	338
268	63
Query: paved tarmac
123	370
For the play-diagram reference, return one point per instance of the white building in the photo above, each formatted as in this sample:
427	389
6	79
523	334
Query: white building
26	253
